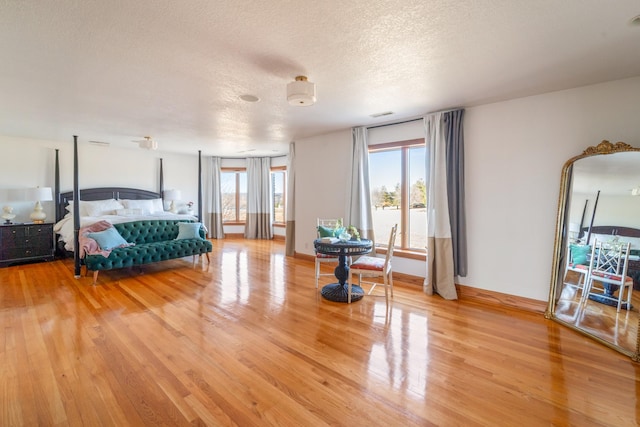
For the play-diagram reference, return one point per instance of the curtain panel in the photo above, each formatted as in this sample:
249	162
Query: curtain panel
446	218
290	238
359	194
258	225
216	230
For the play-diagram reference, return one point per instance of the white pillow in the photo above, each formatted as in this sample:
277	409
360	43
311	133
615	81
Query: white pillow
101	207
635	241
146	206
600	237
157	206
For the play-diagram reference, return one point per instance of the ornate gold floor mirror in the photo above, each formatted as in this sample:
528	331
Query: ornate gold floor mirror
599	201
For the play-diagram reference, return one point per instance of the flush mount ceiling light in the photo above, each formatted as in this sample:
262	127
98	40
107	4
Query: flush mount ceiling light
147	143
301	93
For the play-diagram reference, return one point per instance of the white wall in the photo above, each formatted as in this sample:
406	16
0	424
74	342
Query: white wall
514	152
30	163
320	172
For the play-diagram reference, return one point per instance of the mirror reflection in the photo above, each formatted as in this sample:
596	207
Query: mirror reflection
596	287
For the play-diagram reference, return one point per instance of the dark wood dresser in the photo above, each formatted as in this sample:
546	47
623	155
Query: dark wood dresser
25	242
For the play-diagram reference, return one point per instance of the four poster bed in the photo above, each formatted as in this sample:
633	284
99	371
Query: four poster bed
126	210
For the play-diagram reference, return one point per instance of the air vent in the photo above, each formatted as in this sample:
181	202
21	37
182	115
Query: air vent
386	113
100	143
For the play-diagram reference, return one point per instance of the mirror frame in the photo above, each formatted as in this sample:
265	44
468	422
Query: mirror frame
604	148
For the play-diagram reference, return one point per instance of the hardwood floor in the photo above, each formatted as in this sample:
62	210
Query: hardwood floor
247	340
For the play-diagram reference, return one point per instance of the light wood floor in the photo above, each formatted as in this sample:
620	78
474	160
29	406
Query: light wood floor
248	341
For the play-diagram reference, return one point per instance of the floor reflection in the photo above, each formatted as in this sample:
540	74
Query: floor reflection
600	320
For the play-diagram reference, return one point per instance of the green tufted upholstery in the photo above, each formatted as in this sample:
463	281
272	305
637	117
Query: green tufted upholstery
154	241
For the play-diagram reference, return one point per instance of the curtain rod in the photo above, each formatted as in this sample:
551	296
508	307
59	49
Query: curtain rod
413	120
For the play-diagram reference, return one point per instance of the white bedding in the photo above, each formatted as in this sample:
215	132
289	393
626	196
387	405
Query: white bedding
64	227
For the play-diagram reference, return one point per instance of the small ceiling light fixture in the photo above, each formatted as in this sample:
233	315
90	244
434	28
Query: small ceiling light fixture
301	93
635	21
147	143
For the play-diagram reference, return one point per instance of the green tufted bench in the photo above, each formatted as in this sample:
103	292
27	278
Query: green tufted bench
155	240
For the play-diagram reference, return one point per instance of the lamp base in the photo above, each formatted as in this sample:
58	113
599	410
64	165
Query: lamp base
38	221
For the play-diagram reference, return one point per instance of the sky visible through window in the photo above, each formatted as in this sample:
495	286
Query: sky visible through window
386	174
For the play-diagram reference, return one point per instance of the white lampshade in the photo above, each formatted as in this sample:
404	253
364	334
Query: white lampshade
41	194
172	195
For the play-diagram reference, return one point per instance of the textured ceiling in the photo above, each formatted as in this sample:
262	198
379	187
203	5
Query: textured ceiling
117	70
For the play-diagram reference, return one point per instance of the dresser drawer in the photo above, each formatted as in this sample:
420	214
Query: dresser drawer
27	252
19	235
26	242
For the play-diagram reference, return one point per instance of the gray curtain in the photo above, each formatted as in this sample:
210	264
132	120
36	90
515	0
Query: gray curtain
258	225
290	239
439	274
216	230
358	192
454	138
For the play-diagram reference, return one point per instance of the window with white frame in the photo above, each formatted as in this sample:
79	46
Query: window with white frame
279	194
233	184
399	193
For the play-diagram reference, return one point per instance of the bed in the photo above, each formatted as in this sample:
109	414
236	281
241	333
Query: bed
113	204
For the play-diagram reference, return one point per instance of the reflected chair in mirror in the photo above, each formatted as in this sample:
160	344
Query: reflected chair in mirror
370	267
578	263
326	228
608	268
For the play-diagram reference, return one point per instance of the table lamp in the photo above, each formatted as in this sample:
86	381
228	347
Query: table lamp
172	195
39	194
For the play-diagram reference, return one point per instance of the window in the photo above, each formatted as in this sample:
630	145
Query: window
234	195
399	192
278	195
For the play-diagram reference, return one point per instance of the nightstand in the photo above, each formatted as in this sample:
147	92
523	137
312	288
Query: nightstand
25	242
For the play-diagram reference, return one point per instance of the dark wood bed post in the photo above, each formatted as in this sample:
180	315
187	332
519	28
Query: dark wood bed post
76	211
161	181
56	186
593	215
200	185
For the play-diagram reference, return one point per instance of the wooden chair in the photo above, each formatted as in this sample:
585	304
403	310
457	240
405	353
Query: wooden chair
322	227
374	267
609	263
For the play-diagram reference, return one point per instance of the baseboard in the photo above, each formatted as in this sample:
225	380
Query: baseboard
468	293
497	298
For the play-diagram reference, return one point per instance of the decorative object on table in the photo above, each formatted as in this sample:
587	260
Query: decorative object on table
172	195
353	231
39	194
343	237
8	215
